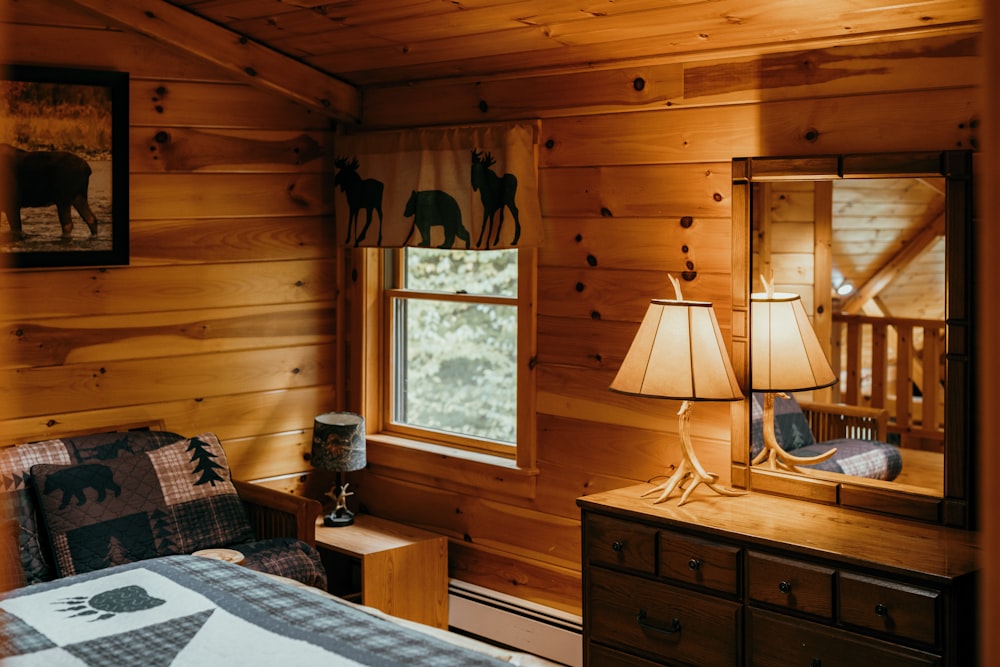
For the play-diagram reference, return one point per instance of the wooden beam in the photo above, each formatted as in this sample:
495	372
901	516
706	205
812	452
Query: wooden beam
247	59
888	271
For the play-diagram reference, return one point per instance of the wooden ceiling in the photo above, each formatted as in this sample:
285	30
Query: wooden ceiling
367	42
326	53
889	244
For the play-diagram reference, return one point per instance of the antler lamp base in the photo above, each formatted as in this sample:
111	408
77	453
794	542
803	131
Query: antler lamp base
773	456
689	473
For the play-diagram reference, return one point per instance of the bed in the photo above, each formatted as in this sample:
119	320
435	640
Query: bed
103	605
189	611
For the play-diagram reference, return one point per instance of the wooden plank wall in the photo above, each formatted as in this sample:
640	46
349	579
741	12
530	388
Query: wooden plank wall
635	184
226	318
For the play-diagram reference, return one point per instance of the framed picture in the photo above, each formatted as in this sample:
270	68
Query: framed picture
63	167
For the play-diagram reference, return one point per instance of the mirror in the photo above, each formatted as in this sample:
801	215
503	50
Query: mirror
879	248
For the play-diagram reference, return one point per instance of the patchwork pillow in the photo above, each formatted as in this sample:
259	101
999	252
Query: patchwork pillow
791	428
17	499
172	500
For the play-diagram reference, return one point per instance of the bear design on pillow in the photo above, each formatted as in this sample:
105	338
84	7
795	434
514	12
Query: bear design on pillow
74	481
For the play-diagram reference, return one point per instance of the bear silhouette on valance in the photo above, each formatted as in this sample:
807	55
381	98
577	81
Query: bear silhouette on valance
467	188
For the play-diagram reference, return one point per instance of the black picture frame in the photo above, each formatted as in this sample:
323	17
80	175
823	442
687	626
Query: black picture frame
54	111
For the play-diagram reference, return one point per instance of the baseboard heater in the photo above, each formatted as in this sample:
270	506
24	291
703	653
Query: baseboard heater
508	621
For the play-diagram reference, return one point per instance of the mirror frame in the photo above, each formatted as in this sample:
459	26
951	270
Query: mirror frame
956	506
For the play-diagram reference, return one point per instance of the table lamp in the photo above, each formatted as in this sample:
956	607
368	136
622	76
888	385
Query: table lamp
339	446
785	355
678	353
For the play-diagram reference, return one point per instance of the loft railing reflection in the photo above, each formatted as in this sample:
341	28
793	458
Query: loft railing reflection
896	364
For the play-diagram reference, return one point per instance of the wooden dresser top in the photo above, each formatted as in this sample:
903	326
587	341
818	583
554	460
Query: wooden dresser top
814	529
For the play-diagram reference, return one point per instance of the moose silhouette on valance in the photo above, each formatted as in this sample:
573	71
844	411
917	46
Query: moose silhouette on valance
467	188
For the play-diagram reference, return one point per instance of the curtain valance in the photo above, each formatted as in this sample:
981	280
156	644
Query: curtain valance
465	188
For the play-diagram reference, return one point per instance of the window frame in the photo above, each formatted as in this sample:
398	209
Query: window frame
416	454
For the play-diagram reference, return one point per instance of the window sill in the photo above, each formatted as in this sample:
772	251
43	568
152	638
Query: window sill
449	468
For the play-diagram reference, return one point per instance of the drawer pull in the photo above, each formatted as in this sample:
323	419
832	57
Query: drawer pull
881	610
674	628
785	587
617	546
694	564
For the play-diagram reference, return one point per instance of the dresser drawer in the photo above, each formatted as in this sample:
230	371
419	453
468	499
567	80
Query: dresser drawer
782	641
891	608
602	656
701	562
657	620
790	584
621	543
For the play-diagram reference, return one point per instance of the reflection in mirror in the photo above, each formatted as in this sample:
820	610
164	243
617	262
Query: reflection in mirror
879	305
879	249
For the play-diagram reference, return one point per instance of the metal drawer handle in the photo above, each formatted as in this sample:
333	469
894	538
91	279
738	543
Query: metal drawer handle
785	587
617	546
674	628
694	564
881	609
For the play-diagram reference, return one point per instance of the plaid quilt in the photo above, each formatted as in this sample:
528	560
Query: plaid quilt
191	611
860	458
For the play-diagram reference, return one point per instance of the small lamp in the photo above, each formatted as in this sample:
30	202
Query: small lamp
339	446
785	355
678	353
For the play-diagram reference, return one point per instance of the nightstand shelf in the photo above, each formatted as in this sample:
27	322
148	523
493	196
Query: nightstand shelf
398	569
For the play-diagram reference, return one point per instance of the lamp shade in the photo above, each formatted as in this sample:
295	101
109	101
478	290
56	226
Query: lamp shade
339	442
678	353
785	354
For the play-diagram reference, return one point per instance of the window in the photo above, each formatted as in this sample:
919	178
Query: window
456	327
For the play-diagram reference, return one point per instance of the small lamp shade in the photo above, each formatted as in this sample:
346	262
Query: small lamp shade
785	354
678	353
339	446
339	442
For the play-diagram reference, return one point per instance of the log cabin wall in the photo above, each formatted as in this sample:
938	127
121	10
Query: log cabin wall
635	184
226	319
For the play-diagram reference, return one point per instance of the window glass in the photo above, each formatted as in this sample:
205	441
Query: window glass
492	272
454	343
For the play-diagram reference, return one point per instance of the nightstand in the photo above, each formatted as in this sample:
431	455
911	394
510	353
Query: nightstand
398	569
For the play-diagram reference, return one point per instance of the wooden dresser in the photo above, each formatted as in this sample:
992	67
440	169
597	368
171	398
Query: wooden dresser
772	582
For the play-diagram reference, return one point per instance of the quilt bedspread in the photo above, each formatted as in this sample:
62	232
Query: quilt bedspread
186	610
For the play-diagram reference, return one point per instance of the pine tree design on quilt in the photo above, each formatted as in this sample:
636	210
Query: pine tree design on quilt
206	465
